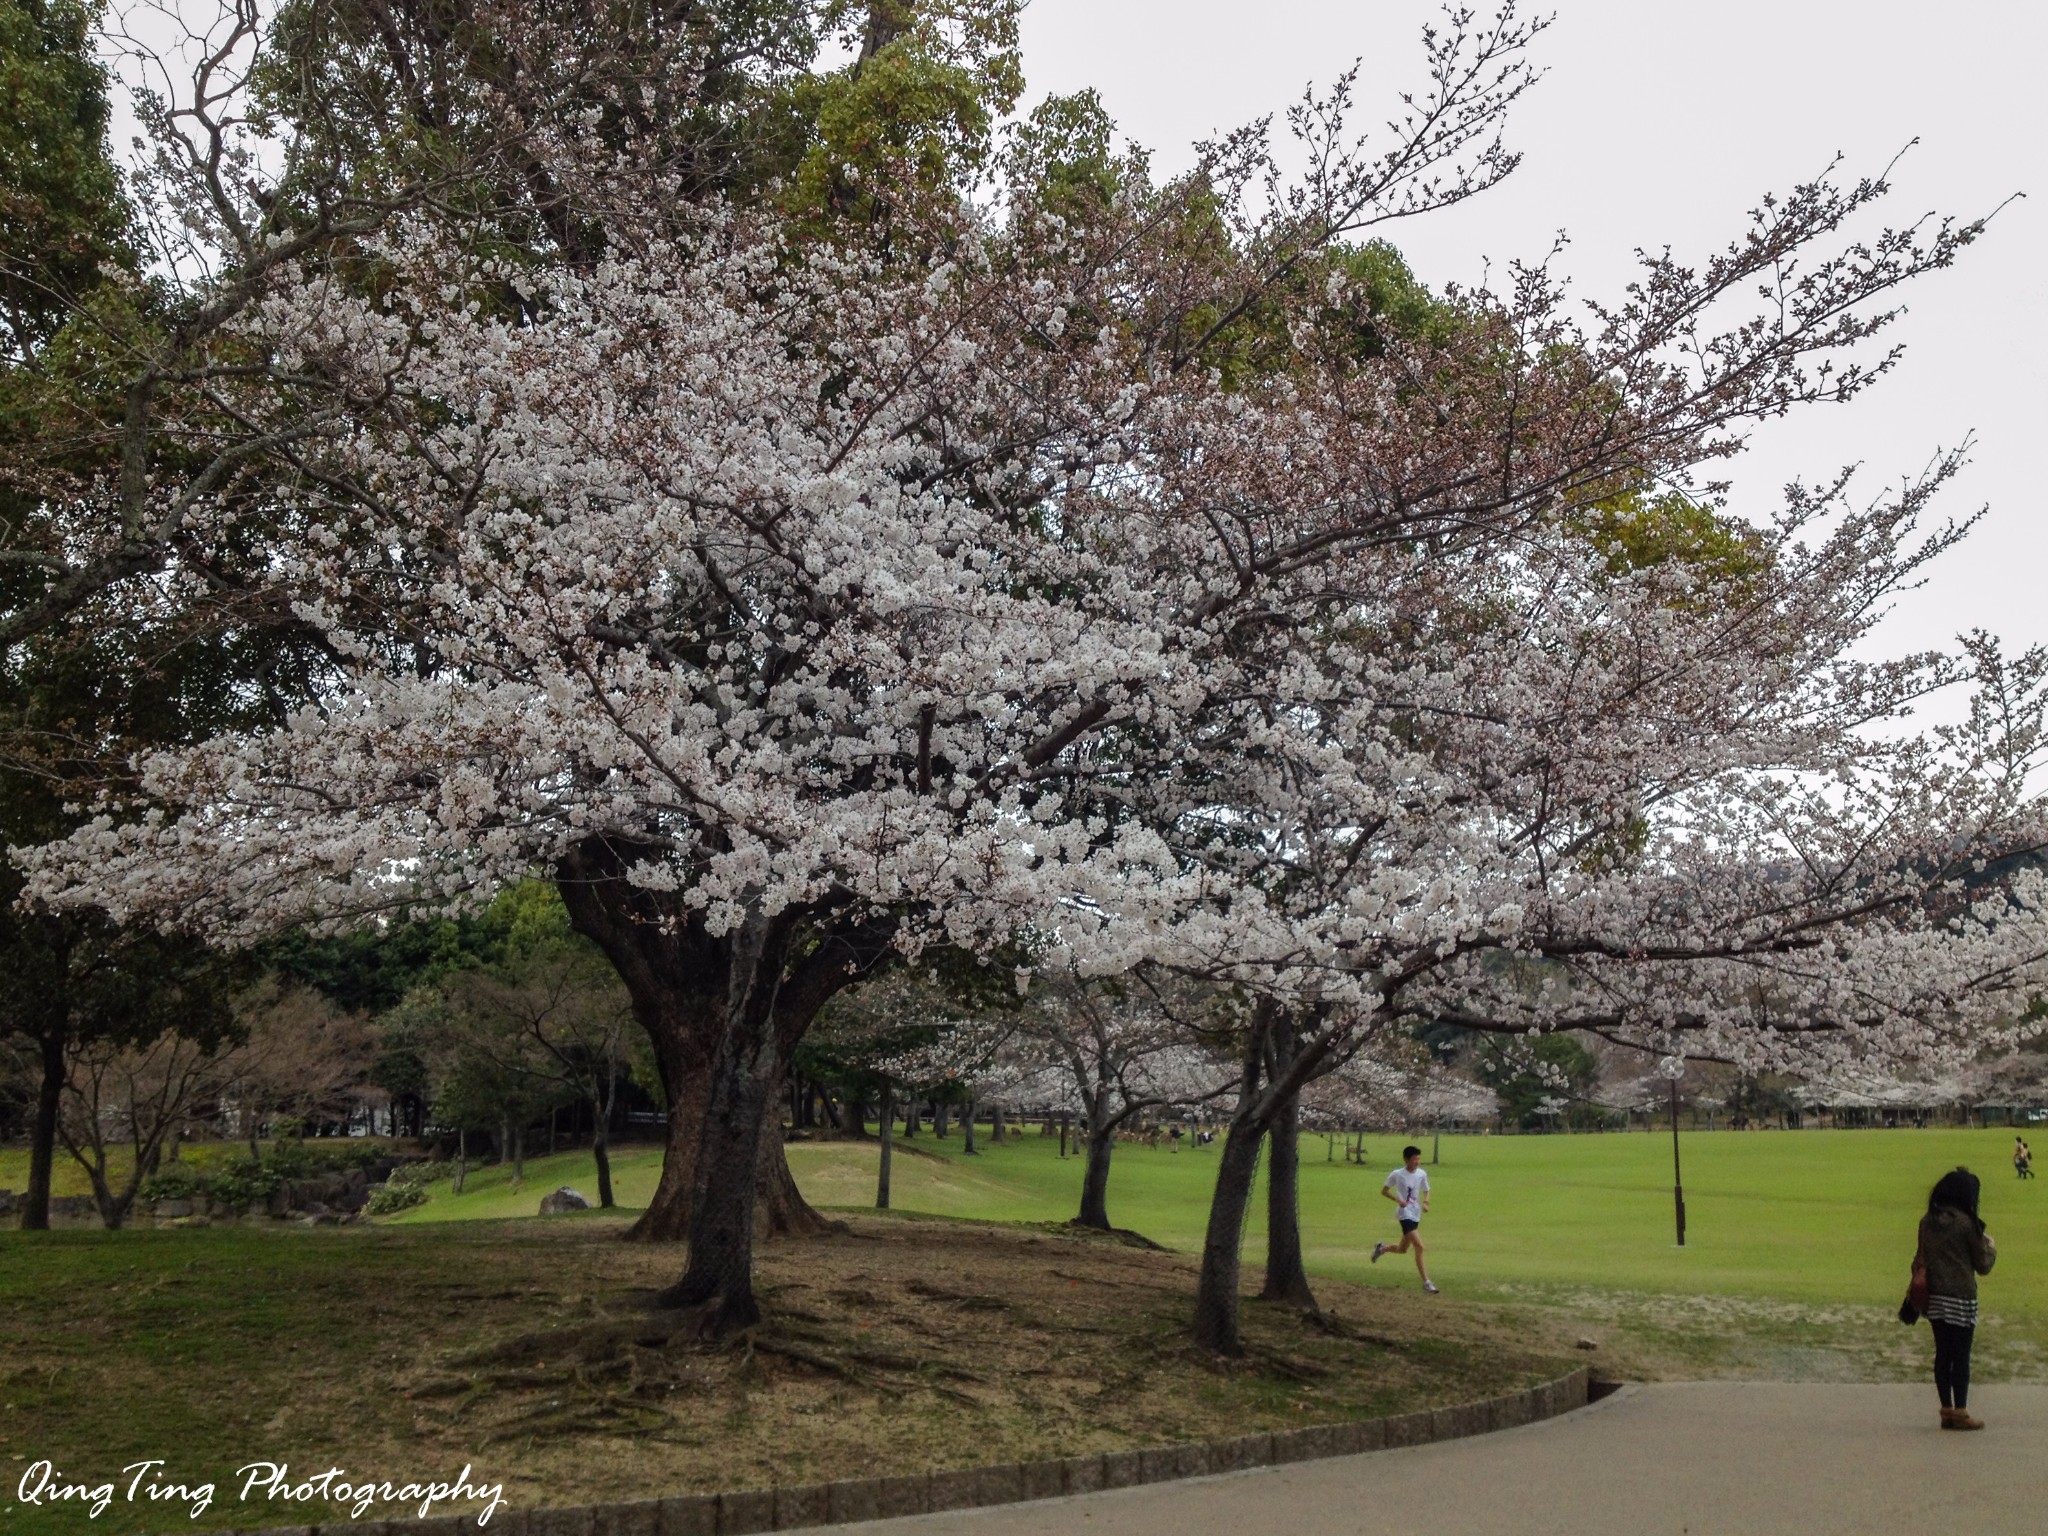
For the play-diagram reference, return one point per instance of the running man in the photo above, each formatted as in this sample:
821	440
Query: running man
1408	1187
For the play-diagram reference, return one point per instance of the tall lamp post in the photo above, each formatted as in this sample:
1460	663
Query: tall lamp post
1673	1068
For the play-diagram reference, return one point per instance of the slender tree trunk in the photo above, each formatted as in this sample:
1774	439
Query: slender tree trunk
1216	1292
42	1147
1095	1178
601	1153
995	1129
1286	1279
518	1155
461	1159
888	1146
942	1118
967	1130
910	1118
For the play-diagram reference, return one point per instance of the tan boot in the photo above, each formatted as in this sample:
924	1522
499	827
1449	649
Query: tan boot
1948	1418
1959	1418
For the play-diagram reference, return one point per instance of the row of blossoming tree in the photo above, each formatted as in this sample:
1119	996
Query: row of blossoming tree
1014	554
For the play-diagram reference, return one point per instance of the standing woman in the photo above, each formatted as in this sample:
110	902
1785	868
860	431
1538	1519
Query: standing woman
1954	1249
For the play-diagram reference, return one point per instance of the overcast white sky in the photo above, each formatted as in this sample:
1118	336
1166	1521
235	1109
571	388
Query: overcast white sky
1662	122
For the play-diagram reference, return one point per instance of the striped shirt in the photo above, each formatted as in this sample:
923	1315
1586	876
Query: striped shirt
1958	1311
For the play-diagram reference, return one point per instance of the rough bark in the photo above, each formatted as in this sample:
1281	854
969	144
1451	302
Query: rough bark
42	1148
1278	1060
967	1130
888	1147
724	1013
600	1152
1216	1301
1095	1179
1286	1278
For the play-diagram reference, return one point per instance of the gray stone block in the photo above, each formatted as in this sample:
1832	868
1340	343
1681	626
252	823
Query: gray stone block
1122	1469
955	1488
1361	1435
1449	1423
1292	1445
800	1506
1254	1450
642	1517
1000	1483
742	1514
1512	1411
1407	1429
694	1514
909	1494
568	1521
1043	1479
1082	1474
1159	1464
512	1522
856	1499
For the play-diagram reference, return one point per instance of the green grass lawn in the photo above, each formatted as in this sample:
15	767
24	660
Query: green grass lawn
1797	1249
1802	1238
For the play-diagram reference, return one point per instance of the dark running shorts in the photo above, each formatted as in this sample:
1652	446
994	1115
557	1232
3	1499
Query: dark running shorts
1409	1226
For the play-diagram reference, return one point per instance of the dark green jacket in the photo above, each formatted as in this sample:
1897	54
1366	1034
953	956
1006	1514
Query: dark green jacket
1954	1251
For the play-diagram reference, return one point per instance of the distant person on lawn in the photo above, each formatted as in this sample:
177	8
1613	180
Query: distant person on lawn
1954	1250
1408	1187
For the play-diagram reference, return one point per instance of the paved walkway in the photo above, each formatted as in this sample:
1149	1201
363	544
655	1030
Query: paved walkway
1702	1458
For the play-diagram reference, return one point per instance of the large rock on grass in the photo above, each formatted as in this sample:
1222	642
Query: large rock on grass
563	1199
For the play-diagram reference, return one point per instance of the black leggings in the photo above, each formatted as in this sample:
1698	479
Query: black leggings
1952	1363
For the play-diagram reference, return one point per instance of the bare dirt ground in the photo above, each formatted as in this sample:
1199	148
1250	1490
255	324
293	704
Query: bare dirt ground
933	1343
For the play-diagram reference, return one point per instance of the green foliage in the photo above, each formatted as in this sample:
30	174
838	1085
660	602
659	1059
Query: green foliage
1527	1072
389	1199
915	113
174	1181
60	196
1636	530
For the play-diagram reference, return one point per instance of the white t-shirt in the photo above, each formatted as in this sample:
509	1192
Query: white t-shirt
1410	1188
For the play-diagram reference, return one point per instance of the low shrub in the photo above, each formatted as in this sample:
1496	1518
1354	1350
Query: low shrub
394	1196
173	1181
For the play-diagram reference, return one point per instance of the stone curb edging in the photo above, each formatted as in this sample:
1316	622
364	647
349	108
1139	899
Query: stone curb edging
807	1505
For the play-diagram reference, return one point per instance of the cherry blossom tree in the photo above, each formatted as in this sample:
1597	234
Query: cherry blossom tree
1100	562
1120	1049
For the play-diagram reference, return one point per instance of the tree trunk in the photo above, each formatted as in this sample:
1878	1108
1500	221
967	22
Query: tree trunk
995	1115
780	1209
888	1146
910	1118
724	1013
42	1147
461	1159
1216	1304
942	1118
1286	1279
518	1155
601	1152
967	1130
746	1081
1095	1179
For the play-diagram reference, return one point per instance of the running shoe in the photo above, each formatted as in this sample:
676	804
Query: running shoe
1377	1250
1428	1288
